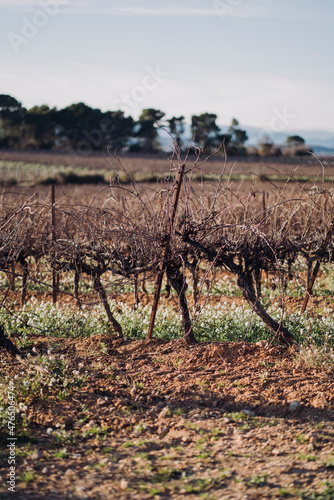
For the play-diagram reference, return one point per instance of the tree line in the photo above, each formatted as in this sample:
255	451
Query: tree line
84	129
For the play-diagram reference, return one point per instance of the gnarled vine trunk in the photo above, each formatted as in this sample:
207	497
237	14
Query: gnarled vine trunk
178	282
98	287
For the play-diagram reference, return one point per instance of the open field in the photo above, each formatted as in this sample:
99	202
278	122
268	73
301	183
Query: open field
233	396
29	169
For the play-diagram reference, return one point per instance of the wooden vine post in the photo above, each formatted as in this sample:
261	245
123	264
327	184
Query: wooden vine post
53	238
264	208
175	201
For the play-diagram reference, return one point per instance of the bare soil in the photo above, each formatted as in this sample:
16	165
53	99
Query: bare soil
167	420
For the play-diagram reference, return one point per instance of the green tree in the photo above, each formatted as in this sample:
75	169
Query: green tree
147	131
176	128
116	130
11	119
11	109
208	136
295	141
39	127
296	146
73	121
238	138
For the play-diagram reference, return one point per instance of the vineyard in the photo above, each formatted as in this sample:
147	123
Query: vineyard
193	270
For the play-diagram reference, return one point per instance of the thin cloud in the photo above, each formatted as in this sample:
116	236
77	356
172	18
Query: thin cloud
218	8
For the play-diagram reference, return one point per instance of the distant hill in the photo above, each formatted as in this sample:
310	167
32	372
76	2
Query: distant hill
317	139
321	141
320	150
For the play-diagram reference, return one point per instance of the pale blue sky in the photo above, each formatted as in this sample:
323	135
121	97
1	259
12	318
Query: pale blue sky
256	60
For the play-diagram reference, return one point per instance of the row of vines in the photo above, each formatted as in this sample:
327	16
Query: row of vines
128	235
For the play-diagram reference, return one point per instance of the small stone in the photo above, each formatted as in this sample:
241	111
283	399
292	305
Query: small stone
311	438
44	470
90	424
164	412
69	472
123	484
196	415
35	456
100	402
227	420
295	406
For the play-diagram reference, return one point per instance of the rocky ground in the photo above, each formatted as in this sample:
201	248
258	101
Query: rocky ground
167	420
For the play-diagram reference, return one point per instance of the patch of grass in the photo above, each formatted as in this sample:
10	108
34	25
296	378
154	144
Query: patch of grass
198	485
142	454
315	356
258	480
326	494
237	416
178	412
61	453
168	457
329	463
154	492
301	438
100	432
283	492
27	477
62	437
165	475
24	451
178	362
200	443
128	444
107	449
309	458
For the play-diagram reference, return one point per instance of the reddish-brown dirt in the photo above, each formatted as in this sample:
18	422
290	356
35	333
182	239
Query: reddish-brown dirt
167	420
